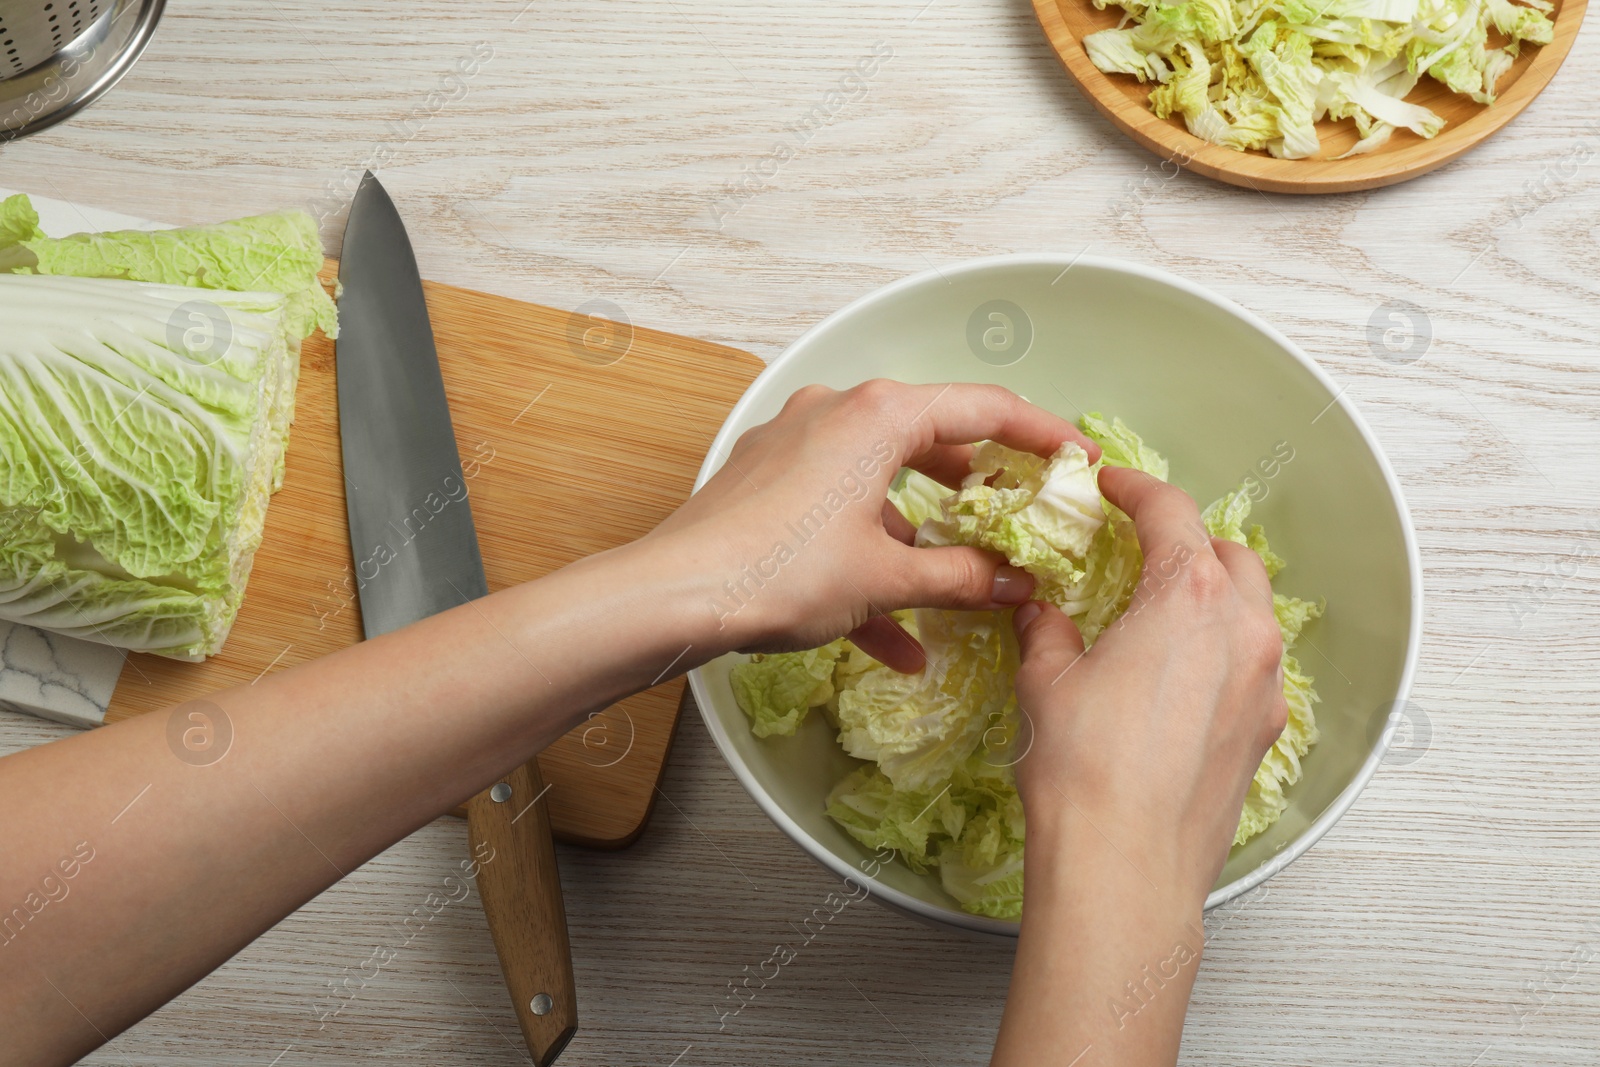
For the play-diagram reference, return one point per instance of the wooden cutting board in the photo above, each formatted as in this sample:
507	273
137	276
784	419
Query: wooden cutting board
576	434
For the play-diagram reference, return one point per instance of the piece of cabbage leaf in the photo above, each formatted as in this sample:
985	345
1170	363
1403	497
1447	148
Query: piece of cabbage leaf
1040	514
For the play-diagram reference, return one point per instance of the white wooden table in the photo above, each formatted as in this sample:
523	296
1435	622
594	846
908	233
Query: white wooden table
1451	919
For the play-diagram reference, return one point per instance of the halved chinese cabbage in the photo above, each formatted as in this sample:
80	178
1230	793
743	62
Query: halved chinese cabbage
143	424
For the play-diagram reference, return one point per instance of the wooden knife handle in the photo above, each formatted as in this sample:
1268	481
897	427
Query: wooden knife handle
508	828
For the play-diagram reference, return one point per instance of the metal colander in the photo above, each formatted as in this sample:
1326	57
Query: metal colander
57	56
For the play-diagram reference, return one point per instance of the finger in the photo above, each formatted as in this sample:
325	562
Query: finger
958	414
1261	634
1249	574
1276	722
898	525
1165	518
1050	644
960	579
882	638
807	397
945	464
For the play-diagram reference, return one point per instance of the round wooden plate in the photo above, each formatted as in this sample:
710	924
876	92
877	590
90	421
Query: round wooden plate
1122	99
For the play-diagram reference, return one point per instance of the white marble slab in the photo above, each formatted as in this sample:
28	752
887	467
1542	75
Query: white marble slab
58	677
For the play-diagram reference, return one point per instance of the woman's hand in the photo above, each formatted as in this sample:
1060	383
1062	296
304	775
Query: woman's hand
1143	750
1156	732
797	535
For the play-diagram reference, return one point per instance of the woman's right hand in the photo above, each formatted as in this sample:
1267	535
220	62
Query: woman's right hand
1153	735
1143	750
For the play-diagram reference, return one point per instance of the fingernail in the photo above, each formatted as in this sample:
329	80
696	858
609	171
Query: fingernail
1012	585
1023	617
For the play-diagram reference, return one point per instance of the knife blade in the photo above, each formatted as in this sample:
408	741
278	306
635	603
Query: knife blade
399	445
416	553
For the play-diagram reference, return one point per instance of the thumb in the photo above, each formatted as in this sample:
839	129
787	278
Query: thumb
958	578
1049	642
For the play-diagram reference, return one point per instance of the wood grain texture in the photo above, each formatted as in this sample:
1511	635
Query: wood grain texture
576	435
520	887
1436	924
1123	99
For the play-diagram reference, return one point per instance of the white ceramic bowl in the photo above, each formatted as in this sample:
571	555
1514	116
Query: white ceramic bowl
1214	388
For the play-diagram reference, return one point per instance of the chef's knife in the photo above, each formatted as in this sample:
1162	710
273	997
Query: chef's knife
416	553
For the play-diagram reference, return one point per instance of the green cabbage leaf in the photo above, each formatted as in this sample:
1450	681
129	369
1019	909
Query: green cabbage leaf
776	690
969	828
279	252
1040	514
917	496
918	727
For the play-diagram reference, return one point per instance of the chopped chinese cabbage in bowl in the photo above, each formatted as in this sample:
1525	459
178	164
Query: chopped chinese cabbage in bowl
1212	389
938	785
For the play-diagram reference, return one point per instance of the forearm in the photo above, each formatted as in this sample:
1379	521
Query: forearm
329	763
788	546
1107	955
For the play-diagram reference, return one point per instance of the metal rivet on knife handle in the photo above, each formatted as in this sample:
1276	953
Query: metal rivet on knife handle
541	1004
500	793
